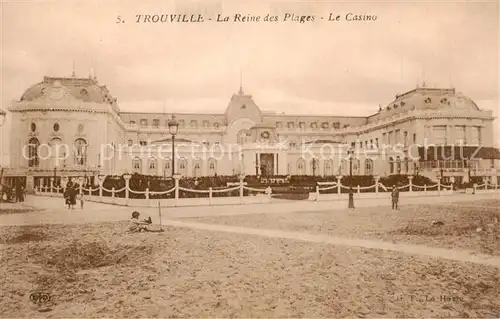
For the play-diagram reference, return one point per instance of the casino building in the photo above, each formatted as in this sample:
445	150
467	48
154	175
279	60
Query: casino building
72	126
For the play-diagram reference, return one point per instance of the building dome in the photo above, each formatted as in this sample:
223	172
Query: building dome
426	99
85	89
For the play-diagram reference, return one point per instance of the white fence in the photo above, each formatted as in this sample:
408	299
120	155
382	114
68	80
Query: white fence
264	195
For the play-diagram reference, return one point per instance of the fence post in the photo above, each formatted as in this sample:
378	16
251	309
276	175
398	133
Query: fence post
439	186
425	189
57	190
147	197
377	179
359	189
210	196
269	191
81	189
242	178
127	177
339	185
410	182
113	195
474	188
317	193
100	192
176	179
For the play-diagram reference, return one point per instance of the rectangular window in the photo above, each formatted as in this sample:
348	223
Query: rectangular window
460	135
439	132
414	138
397	137
389	138
475	136
144	122
376	142
384	138
156	123
405	138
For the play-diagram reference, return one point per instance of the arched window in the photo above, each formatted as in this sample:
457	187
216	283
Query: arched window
136	165
355	166
241	136
182	166
398	163
344	167
197	167
391	165
368	166
301	165
315	166
152	163
57	151
80	151
212	167
33	159
328	167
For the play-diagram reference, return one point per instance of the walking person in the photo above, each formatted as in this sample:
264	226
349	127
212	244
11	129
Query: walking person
395	197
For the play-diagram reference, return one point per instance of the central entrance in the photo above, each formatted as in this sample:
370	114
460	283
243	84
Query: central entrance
267	164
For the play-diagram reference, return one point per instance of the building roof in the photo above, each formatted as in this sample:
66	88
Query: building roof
425	99
84	89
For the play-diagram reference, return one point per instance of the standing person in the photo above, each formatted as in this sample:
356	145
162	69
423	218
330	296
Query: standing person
21	195
18	191
80	198
395	197
66	196
72	197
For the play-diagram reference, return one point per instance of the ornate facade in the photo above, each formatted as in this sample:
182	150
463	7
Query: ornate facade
71	126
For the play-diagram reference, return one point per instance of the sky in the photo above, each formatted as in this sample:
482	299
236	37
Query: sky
320	67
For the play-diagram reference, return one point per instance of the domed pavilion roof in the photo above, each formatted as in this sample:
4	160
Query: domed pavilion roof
426	99
84	89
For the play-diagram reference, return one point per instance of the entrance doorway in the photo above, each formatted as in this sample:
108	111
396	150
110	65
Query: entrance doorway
267	164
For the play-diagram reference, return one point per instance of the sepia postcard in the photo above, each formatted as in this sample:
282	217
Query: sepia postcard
249	159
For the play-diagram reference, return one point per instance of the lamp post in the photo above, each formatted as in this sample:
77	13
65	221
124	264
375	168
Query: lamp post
55	174
2	121
173	128
350	153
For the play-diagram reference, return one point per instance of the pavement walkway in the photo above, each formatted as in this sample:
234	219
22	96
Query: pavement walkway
450	254
55	211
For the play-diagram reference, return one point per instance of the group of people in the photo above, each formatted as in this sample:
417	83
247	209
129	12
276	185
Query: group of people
71	195
15	193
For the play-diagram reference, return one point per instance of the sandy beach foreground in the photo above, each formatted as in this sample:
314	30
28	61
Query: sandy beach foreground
97	270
